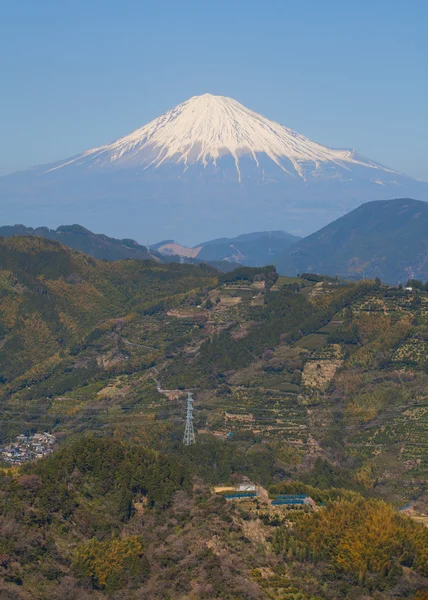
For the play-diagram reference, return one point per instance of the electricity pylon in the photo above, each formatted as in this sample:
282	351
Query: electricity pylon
189	433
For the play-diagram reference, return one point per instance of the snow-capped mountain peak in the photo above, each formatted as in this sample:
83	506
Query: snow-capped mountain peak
208	168
207	127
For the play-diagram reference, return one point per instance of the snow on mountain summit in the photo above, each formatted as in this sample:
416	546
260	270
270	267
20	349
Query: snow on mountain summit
208	168
207	127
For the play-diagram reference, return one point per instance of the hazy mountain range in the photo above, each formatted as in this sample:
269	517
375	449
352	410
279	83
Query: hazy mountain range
385	239
75	236
252	249
209	167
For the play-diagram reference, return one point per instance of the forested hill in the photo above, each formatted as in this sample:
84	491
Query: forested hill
386	239
98	245
53	297
103	247
313	389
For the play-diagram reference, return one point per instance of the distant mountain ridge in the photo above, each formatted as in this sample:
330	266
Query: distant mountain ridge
251	249
98	245
103	247
385	239
196	172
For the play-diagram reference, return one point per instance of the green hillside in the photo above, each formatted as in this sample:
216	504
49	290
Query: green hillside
53	298
386	239
305	385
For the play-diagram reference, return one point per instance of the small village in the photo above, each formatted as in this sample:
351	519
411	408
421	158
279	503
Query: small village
27	448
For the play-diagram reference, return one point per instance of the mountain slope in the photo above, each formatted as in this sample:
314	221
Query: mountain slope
317	389
251	249
53	297
386	239
207	127
99	246
205	168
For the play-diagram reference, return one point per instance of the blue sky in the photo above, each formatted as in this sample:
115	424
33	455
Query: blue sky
78	74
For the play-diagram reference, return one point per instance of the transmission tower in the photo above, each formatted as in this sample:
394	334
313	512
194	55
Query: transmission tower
189	433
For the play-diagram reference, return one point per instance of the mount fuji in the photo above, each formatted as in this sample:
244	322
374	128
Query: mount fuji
209	167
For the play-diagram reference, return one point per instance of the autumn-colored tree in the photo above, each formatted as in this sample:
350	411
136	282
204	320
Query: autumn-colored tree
111	564
357	538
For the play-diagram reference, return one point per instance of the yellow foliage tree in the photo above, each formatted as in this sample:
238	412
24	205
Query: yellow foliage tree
359	538
111	563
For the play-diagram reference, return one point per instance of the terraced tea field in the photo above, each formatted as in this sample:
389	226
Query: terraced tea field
268	414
